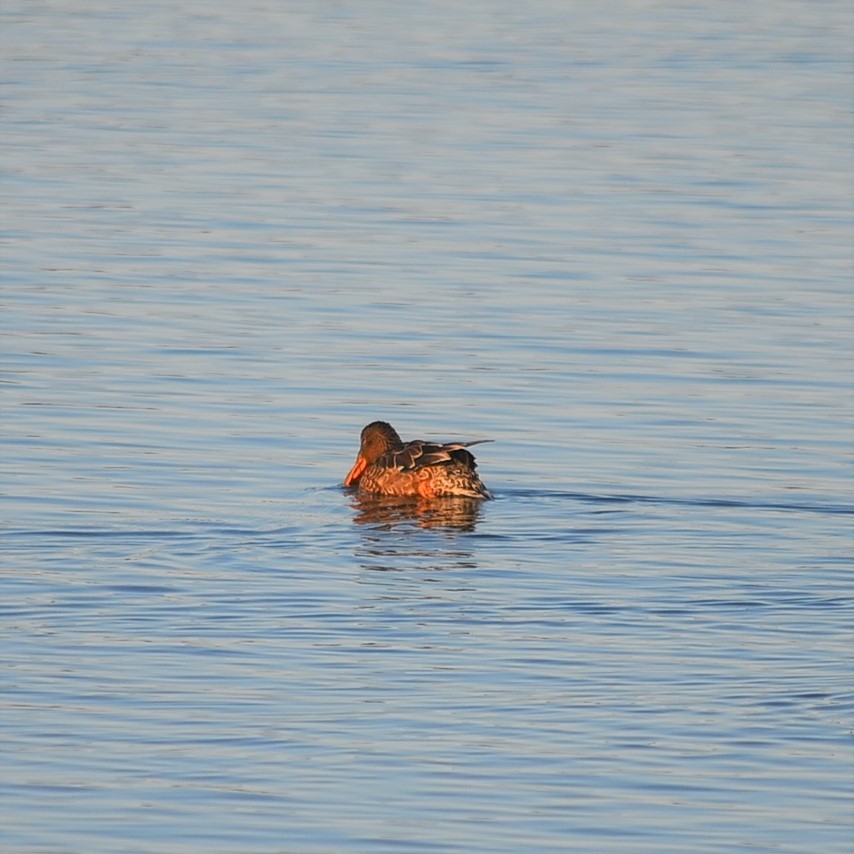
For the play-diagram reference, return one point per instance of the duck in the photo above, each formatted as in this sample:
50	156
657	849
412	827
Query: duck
386	465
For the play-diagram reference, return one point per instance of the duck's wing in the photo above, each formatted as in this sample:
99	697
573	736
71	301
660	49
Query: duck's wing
418	454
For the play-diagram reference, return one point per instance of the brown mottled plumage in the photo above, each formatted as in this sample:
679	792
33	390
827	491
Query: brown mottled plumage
388	466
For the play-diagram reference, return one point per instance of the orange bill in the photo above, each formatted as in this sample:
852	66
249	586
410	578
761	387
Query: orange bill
356	472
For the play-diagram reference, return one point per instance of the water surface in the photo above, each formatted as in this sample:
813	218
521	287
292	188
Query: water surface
616	241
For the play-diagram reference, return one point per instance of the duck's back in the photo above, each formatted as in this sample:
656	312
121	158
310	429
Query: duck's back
427	469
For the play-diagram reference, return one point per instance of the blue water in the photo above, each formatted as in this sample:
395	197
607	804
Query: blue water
614	240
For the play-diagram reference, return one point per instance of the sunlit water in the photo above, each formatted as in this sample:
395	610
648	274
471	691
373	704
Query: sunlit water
615	239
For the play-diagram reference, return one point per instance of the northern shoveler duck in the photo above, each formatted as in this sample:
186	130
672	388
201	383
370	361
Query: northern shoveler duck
388	466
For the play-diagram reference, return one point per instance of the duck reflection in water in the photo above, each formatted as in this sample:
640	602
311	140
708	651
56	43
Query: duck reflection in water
388	512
